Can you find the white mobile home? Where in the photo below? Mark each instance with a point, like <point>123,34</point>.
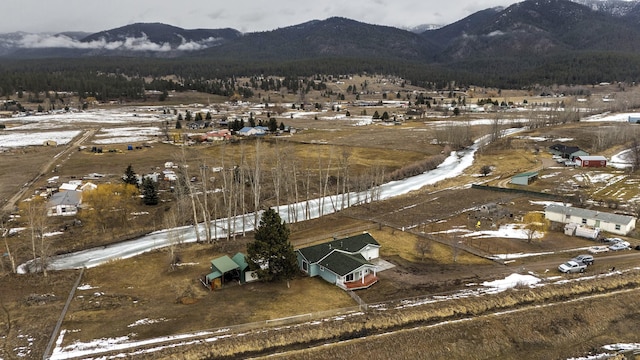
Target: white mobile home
<point>612,223</point>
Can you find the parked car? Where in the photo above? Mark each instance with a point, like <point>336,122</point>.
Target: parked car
<point>612,240</point>
<point>598,249</point>
<point>584,259</point>
<point>620,245</point>
<point>572,267</point>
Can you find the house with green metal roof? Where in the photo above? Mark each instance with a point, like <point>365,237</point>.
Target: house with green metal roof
<point>226,269</point>
<point>344,262</point>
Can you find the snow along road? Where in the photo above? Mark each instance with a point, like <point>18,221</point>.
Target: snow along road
<point>453,166</point>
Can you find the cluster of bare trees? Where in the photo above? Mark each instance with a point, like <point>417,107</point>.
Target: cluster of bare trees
<point>251,177</point>
<point>456,134</point>
<point>608,136</point>
<point>419,167</point>
<point>34,214</point>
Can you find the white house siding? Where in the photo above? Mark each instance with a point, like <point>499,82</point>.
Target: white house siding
<point>612,223</point>
<point>370,252</point>
<point>63,210</point>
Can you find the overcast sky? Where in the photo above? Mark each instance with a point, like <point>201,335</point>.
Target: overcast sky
<point>242,15</point>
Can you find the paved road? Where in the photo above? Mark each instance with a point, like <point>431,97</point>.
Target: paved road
<point>46,168</point>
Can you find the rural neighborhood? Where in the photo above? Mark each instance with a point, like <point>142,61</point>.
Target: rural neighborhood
<point>380,180</point>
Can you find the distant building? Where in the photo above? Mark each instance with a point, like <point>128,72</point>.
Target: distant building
<point>343,262</point>
<point>591,161</point>
<point>612,223</point>
<point>567,152</point>
<point>64,203</point>
<point>525,178</point>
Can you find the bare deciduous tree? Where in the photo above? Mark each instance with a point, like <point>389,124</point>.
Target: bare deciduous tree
<point>36,215</point>
<point>423,246</point>
<point>4,233</point>
<point>185,181</point>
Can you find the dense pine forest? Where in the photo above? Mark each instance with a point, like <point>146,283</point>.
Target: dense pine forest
<point>106,78</point>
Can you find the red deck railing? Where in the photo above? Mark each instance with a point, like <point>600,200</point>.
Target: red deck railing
<point>369,280</point>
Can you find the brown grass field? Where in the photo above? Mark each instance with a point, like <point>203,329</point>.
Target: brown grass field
<point>126,291</point>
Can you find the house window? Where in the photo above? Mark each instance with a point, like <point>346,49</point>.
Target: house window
<point>305,266</point>
<point>64,210</point>
<point>584,221</point>
<point>618,227</point>
<point>321,268</point>
<point>349,277</point>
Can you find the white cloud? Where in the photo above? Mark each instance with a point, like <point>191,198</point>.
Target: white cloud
<point>142,43</point>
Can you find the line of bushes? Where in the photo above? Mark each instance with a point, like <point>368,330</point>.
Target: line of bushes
<point>416,168</point>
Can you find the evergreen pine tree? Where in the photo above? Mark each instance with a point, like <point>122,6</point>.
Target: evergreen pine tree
<point>149,192</point>
<point>272,124</point>
<point>130,176</point>
<point>271,254</point>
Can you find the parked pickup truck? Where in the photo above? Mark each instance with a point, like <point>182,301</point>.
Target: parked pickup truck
<point>572,267</point>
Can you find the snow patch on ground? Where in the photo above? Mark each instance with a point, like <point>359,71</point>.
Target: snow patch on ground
<point>19,139</point>
<point>147,321</point>
<point>86,287</point>
<point>126,135</point>
<point>512,281</point>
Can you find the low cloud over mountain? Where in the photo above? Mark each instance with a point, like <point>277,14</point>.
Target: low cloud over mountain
<point>141,43</point>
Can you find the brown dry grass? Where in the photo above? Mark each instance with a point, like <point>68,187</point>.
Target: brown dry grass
<point>399,243</point>
<point>543,317</point>
<point>19,166</point>
<point>118,299</point>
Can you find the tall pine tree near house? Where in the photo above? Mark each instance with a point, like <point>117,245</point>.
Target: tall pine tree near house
<point>130,176</point>
<point>149,192</point>
<point>271,254</point>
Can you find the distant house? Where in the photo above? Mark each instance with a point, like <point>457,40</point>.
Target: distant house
<point>577,154</point>
<point>223,134</point>
<point>64,203</point>
<point>612,223</point>
<point>591,161</point>
<point>566,152</point>
<point>343,262</point>
<point>415,113</point>
<point>252,131</point>
<point>225,269</point>
<point>525,178</point>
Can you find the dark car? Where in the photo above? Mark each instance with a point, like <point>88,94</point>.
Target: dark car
<point>584,259</point>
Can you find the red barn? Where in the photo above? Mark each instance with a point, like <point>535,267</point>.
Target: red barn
<point>591,161</point>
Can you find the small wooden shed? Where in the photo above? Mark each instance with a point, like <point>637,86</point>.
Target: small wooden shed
<point>225,269</point>
<point>222,268</point>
